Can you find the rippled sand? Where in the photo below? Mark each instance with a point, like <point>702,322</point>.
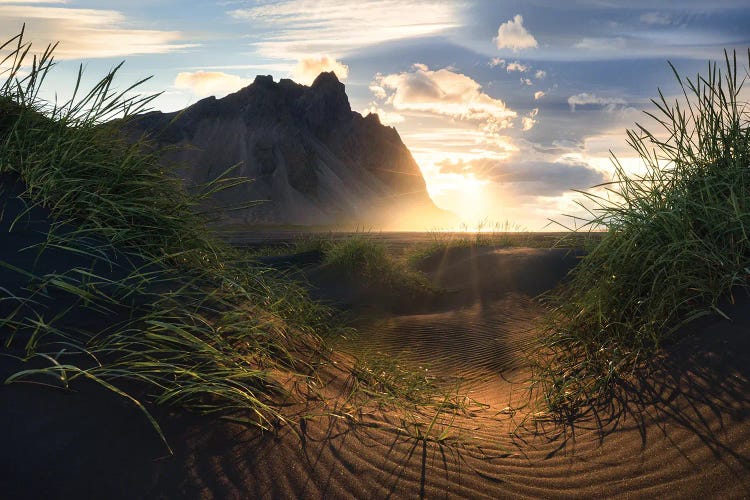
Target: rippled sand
<point>682,431</point>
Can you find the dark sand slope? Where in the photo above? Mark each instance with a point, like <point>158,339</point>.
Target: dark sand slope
<point>27,251</point>
<point>682,431</point>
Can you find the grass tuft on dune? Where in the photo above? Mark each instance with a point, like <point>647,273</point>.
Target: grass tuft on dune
<point>676,243</point>
<point>369,260</point>
<point>158,302</point>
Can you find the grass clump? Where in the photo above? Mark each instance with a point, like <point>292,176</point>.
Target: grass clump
<point>425,256</point>
<point>483,235</point>
<point>368,259</point>
<point>389,380</point>
<point>676,242</point>
<point>427,407</point>
<point>182,317</point>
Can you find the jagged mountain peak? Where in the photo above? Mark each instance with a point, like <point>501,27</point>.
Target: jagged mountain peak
<point>312,158</point>
<point>327,80</point>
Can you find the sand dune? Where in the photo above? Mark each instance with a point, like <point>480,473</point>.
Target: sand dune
<point>681,430</point>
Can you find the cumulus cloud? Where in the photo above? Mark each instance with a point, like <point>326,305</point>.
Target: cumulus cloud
<point>496,61</point>
<point>656,18</point>
<point>443,92</point>
<point>526,81</point>
<point>308,69</point>
<point>609,103</point>
<point>540,74</point>
<point>378,91</point>
<point>529,178</point>
<point>517,66</point>
<point>300,28</point>
<point>205,83</point>
<point>513,35</point>
<point>85,33</point>
<point>538,95</point>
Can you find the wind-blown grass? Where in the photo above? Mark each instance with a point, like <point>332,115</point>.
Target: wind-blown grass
<point>369,260</point>
<point>188,318</point>
<point>426,405</point>
<point>677,242</point>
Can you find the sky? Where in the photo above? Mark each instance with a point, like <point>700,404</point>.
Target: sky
<point>508,107</point>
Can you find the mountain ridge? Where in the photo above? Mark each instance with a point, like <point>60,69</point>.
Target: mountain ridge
<point>314,159</point>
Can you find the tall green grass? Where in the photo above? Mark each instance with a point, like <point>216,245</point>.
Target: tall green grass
<point>190,321</point>
<point>369,261</point>
<point>677,241</point>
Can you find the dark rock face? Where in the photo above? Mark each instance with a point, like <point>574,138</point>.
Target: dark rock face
<point>315,160</point>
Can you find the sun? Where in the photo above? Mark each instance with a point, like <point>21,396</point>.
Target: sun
<point>461,193</point>
<point>466,196</point>
<point>470,191</point>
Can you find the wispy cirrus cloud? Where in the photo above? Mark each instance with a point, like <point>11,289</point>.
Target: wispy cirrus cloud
<point>299,28</point>
<point>85,33</point>
<point>601,44</point>
<point>274,67</point>
<point>659,18</point>
<point>28,2</point>
<point>444,142</point>
<point>585,98</point>
<point>529,178</point>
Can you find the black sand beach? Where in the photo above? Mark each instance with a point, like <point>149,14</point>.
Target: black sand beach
<point>684,431</point>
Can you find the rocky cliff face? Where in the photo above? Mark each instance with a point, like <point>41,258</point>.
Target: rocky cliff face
<point>314,160</point>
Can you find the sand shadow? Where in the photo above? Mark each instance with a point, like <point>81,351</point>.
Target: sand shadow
<point>691,398</point>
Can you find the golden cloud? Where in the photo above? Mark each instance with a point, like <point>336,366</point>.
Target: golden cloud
<point>443,92</point>
<point>85,33</point>
<point>386,117</point>
<point>528,121</point>
<point>308,69</point>
<point>205,83</point>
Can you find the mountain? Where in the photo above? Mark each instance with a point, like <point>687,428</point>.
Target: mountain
<point>313,159</point>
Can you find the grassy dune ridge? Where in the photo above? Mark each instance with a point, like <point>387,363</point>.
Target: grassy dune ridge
<point>179,312</point>
<point>676,243</point>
